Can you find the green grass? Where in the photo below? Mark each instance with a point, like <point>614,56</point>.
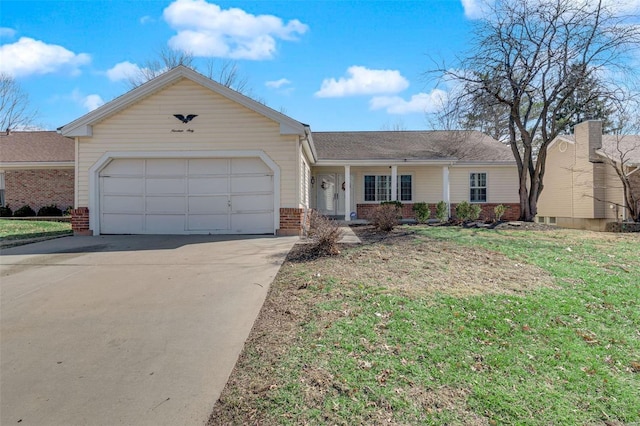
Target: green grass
<point>24,229</point>
<point>553,356</point>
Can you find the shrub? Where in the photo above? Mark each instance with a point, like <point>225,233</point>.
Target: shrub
<point>5,211</point>
<point>499,210</point>
<point>422,212</point>
<point>442,212</point>
<point>51,210</point>
<point>466,211</point>
<point>385,217</point>
<point>24,211</point>
<point>324,233</point>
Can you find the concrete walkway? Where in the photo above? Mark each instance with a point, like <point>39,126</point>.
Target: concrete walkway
<point>348,236</point>
<point>127,330</point>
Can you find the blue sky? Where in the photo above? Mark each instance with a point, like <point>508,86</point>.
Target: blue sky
<point>336,65</point>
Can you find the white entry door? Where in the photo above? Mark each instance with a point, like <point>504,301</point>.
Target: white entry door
<point>187,196</point>
<point>330,194</point>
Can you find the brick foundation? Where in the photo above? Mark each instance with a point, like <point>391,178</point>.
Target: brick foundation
<point>291,221</point>
<point>39,188</point>
<point>80,221</point>
<point>513,211</point>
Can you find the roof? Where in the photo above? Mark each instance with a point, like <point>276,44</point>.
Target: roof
<point>36,147</point>
<point>83,125</point>
<point>459,146</point>
<point>629,146</point>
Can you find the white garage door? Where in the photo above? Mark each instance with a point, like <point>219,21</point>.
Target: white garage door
<point>186,196</point>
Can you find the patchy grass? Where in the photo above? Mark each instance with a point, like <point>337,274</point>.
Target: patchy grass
<point>25,229</point>
<point>448,326</point>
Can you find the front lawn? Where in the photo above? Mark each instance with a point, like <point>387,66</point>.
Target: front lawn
<point>442,325</point>
<point>25,229</point>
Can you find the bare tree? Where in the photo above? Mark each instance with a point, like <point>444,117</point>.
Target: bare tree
<point>227,73</point>
<point>15,109</point>
<point>621,151</point>
<point>167,59</point>
<point>529,58</point>
<point>396,126</point>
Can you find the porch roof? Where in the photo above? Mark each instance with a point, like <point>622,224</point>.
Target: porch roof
<point>402,146</point>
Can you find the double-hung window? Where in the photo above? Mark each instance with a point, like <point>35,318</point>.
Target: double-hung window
<point>478,187</point>
<point>378,188</point>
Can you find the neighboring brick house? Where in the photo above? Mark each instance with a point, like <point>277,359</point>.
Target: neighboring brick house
<point>36,169</point>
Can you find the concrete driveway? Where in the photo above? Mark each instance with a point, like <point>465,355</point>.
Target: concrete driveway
<point>133,330</point>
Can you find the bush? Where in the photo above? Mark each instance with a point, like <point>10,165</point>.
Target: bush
<point>5,211</point>
<point>51,210</point>
<point>499,210</point>
<point>385,217</point>
<point>324,233</point>
<point>466,211</point>
<point>422,212</point>
<point>442,212</point>
<point>24,211</point>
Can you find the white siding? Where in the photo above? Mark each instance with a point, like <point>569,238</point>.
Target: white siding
<point>502,183</point>
<point>221,124</point>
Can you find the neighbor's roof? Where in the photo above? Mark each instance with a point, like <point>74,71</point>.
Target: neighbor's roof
<point>36,147</point>
<point>613,146</point>
<point>460,146</point>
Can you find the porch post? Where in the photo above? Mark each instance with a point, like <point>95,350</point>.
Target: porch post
<point>445,188</point>
<point>394,183</point>
<point>347,193</point>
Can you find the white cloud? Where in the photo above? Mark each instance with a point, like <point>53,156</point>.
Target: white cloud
<point>7,32</point>
<point>276,84</point>
<point>422,102</point>
<point>146,19</point>
<point>28,56</point>
<point>363,81</point>
<point>473,9</point>
<point>205,29</point>
<point>92,102</point>
<point>123,71</point>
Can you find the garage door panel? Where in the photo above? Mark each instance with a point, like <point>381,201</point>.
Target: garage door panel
<point>209,205</point>
<point>259,223</point>
<point>122,224</point>
<point>122,204</point>
<point>251,203</point>
<point>174,196</point>
<point>156,186</point>
<point>123,185</point>
<point>124,167</point>
<point>165,204</point>
<point>213,222</point>
<point>248,165</point>
<point>166,167</point>
<point>165,224</point>
<point>209,185</point>
<point>244,184</point>
<point>209,166</point>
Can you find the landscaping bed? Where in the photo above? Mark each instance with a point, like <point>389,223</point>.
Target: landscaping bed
<point>444,325</point>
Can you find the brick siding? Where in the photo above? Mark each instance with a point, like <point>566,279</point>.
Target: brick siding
<point>39,188</point>
<point>291,221</point>
<point>80,221</point>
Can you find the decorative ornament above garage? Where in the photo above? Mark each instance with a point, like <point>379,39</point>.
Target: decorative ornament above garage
<point>184,119</point>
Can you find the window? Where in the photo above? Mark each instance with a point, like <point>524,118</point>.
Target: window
<point>478,187</point>
<point>378,188</point>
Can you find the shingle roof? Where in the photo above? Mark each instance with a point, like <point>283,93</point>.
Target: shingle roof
<point>464,146</point>
<point>36,147</point>
<point>628,144</point>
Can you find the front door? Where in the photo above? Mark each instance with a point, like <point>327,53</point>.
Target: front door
<point>330,194</point>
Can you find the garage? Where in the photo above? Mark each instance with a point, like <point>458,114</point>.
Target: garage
<point>186,196</point>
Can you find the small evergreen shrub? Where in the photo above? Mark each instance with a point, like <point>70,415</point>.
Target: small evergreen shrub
<point>499,210</point>
<point>324,233</point>
<point>24,211</point>
<point>385,217</point>
<point>466,211</point>
<point>422,212</point>
<point>442,212</point>
<point>5,211</point>
<point>51,210</point>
